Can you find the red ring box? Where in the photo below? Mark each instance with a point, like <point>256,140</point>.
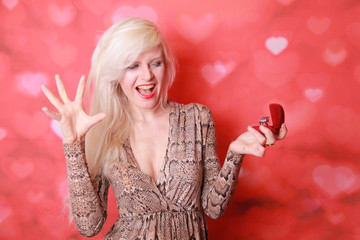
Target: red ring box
<point>277,118</point>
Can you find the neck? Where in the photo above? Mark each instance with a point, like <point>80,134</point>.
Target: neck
<point>149,115</point>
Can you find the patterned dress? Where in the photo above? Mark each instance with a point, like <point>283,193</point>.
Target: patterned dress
<point>190,184</point>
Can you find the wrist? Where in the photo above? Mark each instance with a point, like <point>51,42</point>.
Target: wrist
<point>233,148</point>
<point>68,141</point>
<point>237,148</point>
<point>73,140</point>
<point>234,157</point>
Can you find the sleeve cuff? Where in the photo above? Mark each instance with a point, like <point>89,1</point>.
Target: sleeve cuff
<point>234,157</point>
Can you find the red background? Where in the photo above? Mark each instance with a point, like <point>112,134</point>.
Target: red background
<point>236,56</point>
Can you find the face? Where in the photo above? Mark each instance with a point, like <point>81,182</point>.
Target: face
<point>143,80</point>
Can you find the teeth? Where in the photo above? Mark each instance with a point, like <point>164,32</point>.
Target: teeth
<point>146,87</point>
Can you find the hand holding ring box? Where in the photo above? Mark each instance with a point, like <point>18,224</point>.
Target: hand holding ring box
<point>277,118</point>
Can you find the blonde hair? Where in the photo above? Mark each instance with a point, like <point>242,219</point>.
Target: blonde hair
<point>116,50</point>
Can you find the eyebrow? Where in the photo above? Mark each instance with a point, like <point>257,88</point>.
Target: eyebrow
<point>153,59</point>
<point>156,58</point>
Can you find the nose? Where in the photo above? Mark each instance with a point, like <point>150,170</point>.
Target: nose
<point>146,73</point>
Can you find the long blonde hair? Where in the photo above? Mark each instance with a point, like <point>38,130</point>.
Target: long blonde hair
<point>116,50</point>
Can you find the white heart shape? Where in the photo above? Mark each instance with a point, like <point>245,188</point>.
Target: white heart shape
<point>217,72</point>
<point>56,128</point>
<point>3,133</point>
<point>313,94</point>
<point>5,210</point>
<point>128,11</point>
<point>10,4</point>
<point>30,83</point>
<point>276,44</point>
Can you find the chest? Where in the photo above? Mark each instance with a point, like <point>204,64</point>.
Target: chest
<point>149,144</point>
<point>177,169</point>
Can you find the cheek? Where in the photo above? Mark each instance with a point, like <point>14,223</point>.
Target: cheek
<point>160,74</point>
<point>127,81</point>
<point>125,89</point>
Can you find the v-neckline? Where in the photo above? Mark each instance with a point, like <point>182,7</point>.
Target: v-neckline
<point>135,162</point>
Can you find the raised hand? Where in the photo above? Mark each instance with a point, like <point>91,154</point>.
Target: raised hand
<point>75,123</point>
<point>254,143</point>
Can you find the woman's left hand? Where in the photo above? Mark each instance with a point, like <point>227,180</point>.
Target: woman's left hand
<point>254,143</point>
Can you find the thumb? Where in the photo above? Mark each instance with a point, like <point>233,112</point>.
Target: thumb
<point>96,119</point>
<point>283,132</point>
<point>257,150</point>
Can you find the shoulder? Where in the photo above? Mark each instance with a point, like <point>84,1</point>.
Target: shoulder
<point>197,110</point>
<point>201,107</point>
<point>192,107</point>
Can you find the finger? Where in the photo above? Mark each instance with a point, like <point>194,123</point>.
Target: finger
<point>283,132</point>
<point>51,114</point>
<point>57,104</point>
<point>259,137</point>
<point>258,150</point>
<point>80,90</point>
<point>61,89</point>
<point>96,119</point>
<point>270,138</point>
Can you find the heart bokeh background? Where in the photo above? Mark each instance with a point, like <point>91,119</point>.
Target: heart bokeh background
<point>235,56</point>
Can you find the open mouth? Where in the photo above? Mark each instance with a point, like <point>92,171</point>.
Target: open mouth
<point>146,91</point>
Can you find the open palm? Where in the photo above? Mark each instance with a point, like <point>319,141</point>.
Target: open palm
<point>253,142</point>
<point>75,123</point>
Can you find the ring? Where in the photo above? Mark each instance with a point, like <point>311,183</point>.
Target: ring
<point>269,145</point>
<point>264,120</point>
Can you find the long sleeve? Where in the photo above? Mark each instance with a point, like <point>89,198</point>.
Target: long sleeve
<point>88,197</point>
<point>218,184</point>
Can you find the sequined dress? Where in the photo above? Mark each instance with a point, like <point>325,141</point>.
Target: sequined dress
<point>190,184</point>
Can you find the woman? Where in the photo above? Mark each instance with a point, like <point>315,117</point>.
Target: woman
<point>159,156</point>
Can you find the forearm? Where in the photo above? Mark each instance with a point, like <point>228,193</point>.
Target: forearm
<point>220,193</point>
<point>89,214</point>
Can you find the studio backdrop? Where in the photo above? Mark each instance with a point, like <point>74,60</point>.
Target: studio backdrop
<point>236,57</point>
